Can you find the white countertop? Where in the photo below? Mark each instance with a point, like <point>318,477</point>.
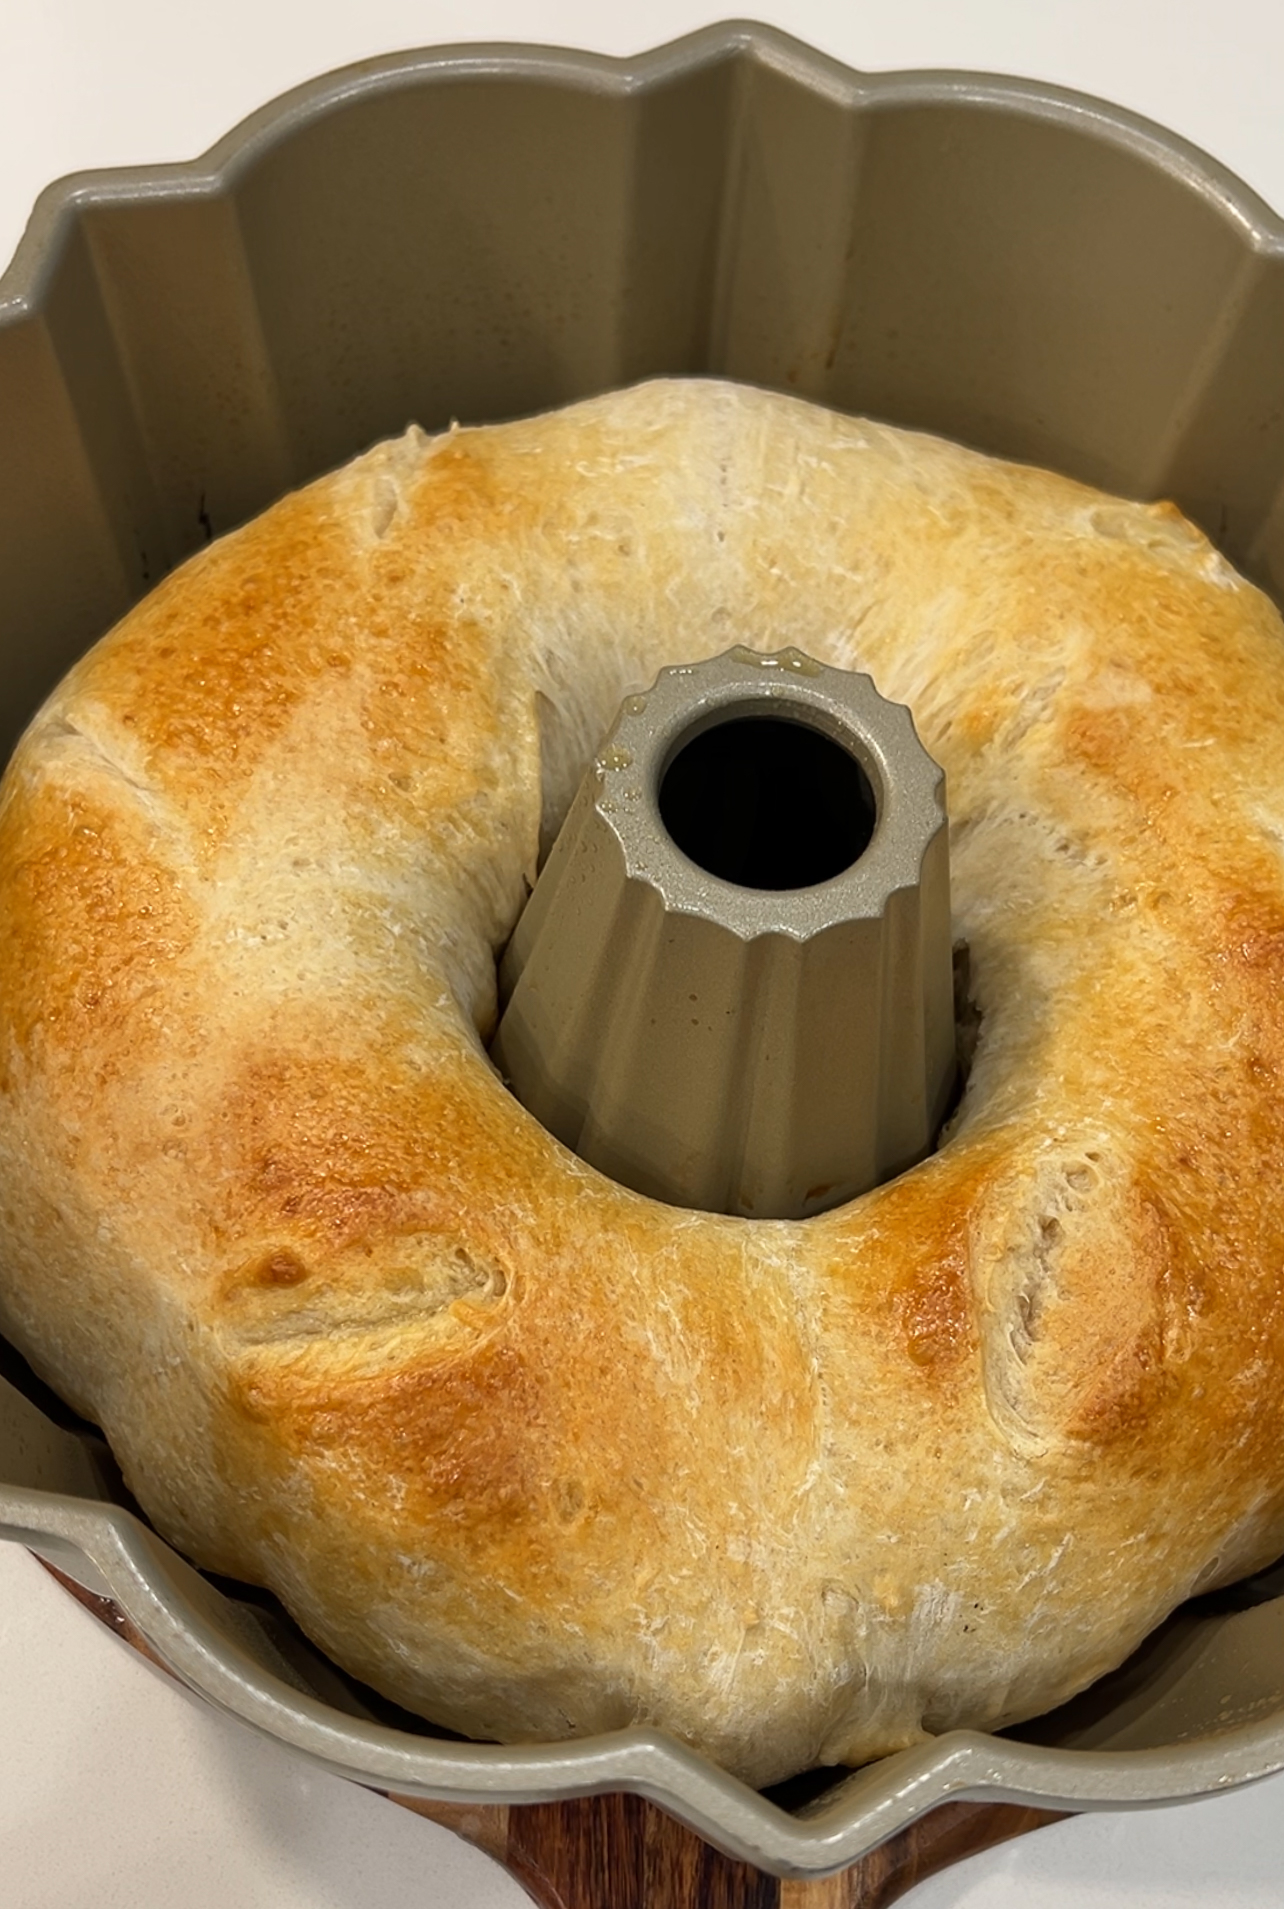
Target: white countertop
<point>115,1788</point>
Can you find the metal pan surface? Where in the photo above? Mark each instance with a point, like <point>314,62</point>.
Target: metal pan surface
<point>1028,270</point>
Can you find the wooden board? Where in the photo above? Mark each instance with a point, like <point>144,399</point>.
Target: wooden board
<point>621,1852</point>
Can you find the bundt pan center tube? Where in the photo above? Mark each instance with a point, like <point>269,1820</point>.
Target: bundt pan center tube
<point>732,988</point>
<point>179,347</point>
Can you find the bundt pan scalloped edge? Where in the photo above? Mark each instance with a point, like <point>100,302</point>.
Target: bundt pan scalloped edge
<point>1030,271</point>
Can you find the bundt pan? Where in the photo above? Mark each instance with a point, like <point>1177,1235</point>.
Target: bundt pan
<point>482,232</point>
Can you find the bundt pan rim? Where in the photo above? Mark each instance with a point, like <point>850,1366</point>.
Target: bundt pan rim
<point>217,169</point>
<point>105,1547</point>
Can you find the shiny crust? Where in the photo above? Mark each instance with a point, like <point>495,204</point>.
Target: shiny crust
<point>527,1451</point>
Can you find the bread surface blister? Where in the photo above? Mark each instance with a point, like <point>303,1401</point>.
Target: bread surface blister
<point>531,1453</point>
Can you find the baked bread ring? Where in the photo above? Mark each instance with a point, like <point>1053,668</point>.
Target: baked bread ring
<point>531,1453</point>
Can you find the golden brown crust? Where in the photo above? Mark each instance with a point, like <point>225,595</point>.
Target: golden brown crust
<point>533,1453</point>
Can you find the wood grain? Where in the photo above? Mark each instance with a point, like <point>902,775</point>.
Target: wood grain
<point>621,1852</point>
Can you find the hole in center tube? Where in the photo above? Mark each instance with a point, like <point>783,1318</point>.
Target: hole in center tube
<point>768,802</point>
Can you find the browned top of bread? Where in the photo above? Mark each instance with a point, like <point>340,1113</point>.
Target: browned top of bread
<point>532,1453</point>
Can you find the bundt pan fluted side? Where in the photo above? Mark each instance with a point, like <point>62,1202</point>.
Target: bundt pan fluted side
<point>482,232</point>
